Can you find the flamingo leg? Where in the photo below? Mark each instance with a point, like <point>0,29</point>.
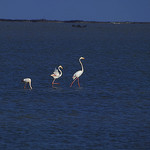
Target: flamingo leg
<point>54,83</point>
<point>73,82</point>
<point>24,85</point>
<point>78,82</point>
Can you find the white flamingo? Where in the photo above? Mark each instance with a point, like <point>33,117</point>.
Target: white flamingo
<point>27,80</point>
<point>56,74</point>
<point>78,73</point>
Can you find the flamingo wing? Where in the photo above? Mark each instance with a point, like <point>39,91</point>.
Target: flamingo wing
<point>77,74</point>
<point>56,73</point>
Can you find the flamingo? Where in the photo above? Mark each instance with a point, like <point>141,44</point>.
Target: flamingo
<point>27,80</point>
<point>56,74</point>
<point>78,73</point>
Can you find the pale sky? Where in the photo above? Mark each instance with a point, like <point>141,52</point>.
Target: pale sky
<point>87,10</point>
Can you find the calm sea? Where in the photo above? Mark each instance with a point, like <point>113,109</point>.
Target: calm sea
<point>111,109</point>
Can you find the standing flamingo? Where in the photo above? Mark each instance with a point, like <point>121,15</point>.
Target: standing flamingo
<point>56,74</point>
<point>27,80</point>
<point>78,73</point>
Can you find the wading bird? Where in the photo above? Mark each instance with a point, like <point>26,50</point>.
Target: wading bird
<point>27,80</point>
<point>78,73</point>
<point>56,74</point>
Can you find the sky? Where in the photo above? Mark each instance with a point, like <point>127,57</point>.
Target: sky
<point>87,10</point>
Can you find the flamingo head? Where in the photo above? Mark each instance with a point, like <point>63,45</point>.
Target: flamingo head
<point>60,67</point>
<point>82,58</point>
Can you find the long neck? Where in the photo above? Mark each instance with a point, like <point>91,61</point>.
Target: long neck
<point>81,65</point>
<point>30,85</point>
<point>60,71</point>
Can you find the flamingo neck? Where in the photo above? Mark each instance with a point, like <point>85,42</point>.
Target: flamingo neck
<point>81,65</point>
<point>30,85</point>
<point>60,71</point>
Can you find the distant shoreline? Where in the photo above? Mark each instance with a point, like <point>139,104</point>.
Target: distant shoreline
<point>71,21</point>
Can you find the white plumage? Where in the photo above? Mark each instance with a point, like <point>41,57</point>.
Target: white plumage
<point>57,74</point>
<point>78,73</point>
<point>27,81</point>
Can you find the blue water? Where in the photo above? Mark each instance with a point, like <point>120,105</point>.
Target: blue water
<point>111,109</point>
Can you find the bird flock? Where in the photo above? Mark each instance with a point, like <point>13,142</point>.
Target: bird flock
<point>57,74</point>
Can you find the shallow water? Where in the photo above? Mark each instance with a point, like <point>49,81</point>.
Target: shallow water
<point>109,111</point>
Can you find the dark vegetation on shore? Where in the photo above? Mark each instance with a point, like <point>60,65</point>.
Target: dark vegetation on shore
<point>72,21</point>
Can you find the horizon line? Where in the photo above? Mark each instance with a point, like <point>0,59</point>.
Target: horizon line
<point>71,21</point>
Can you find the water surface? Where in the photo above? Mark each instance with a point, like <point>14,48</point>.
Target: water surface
<point>109,111</point>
